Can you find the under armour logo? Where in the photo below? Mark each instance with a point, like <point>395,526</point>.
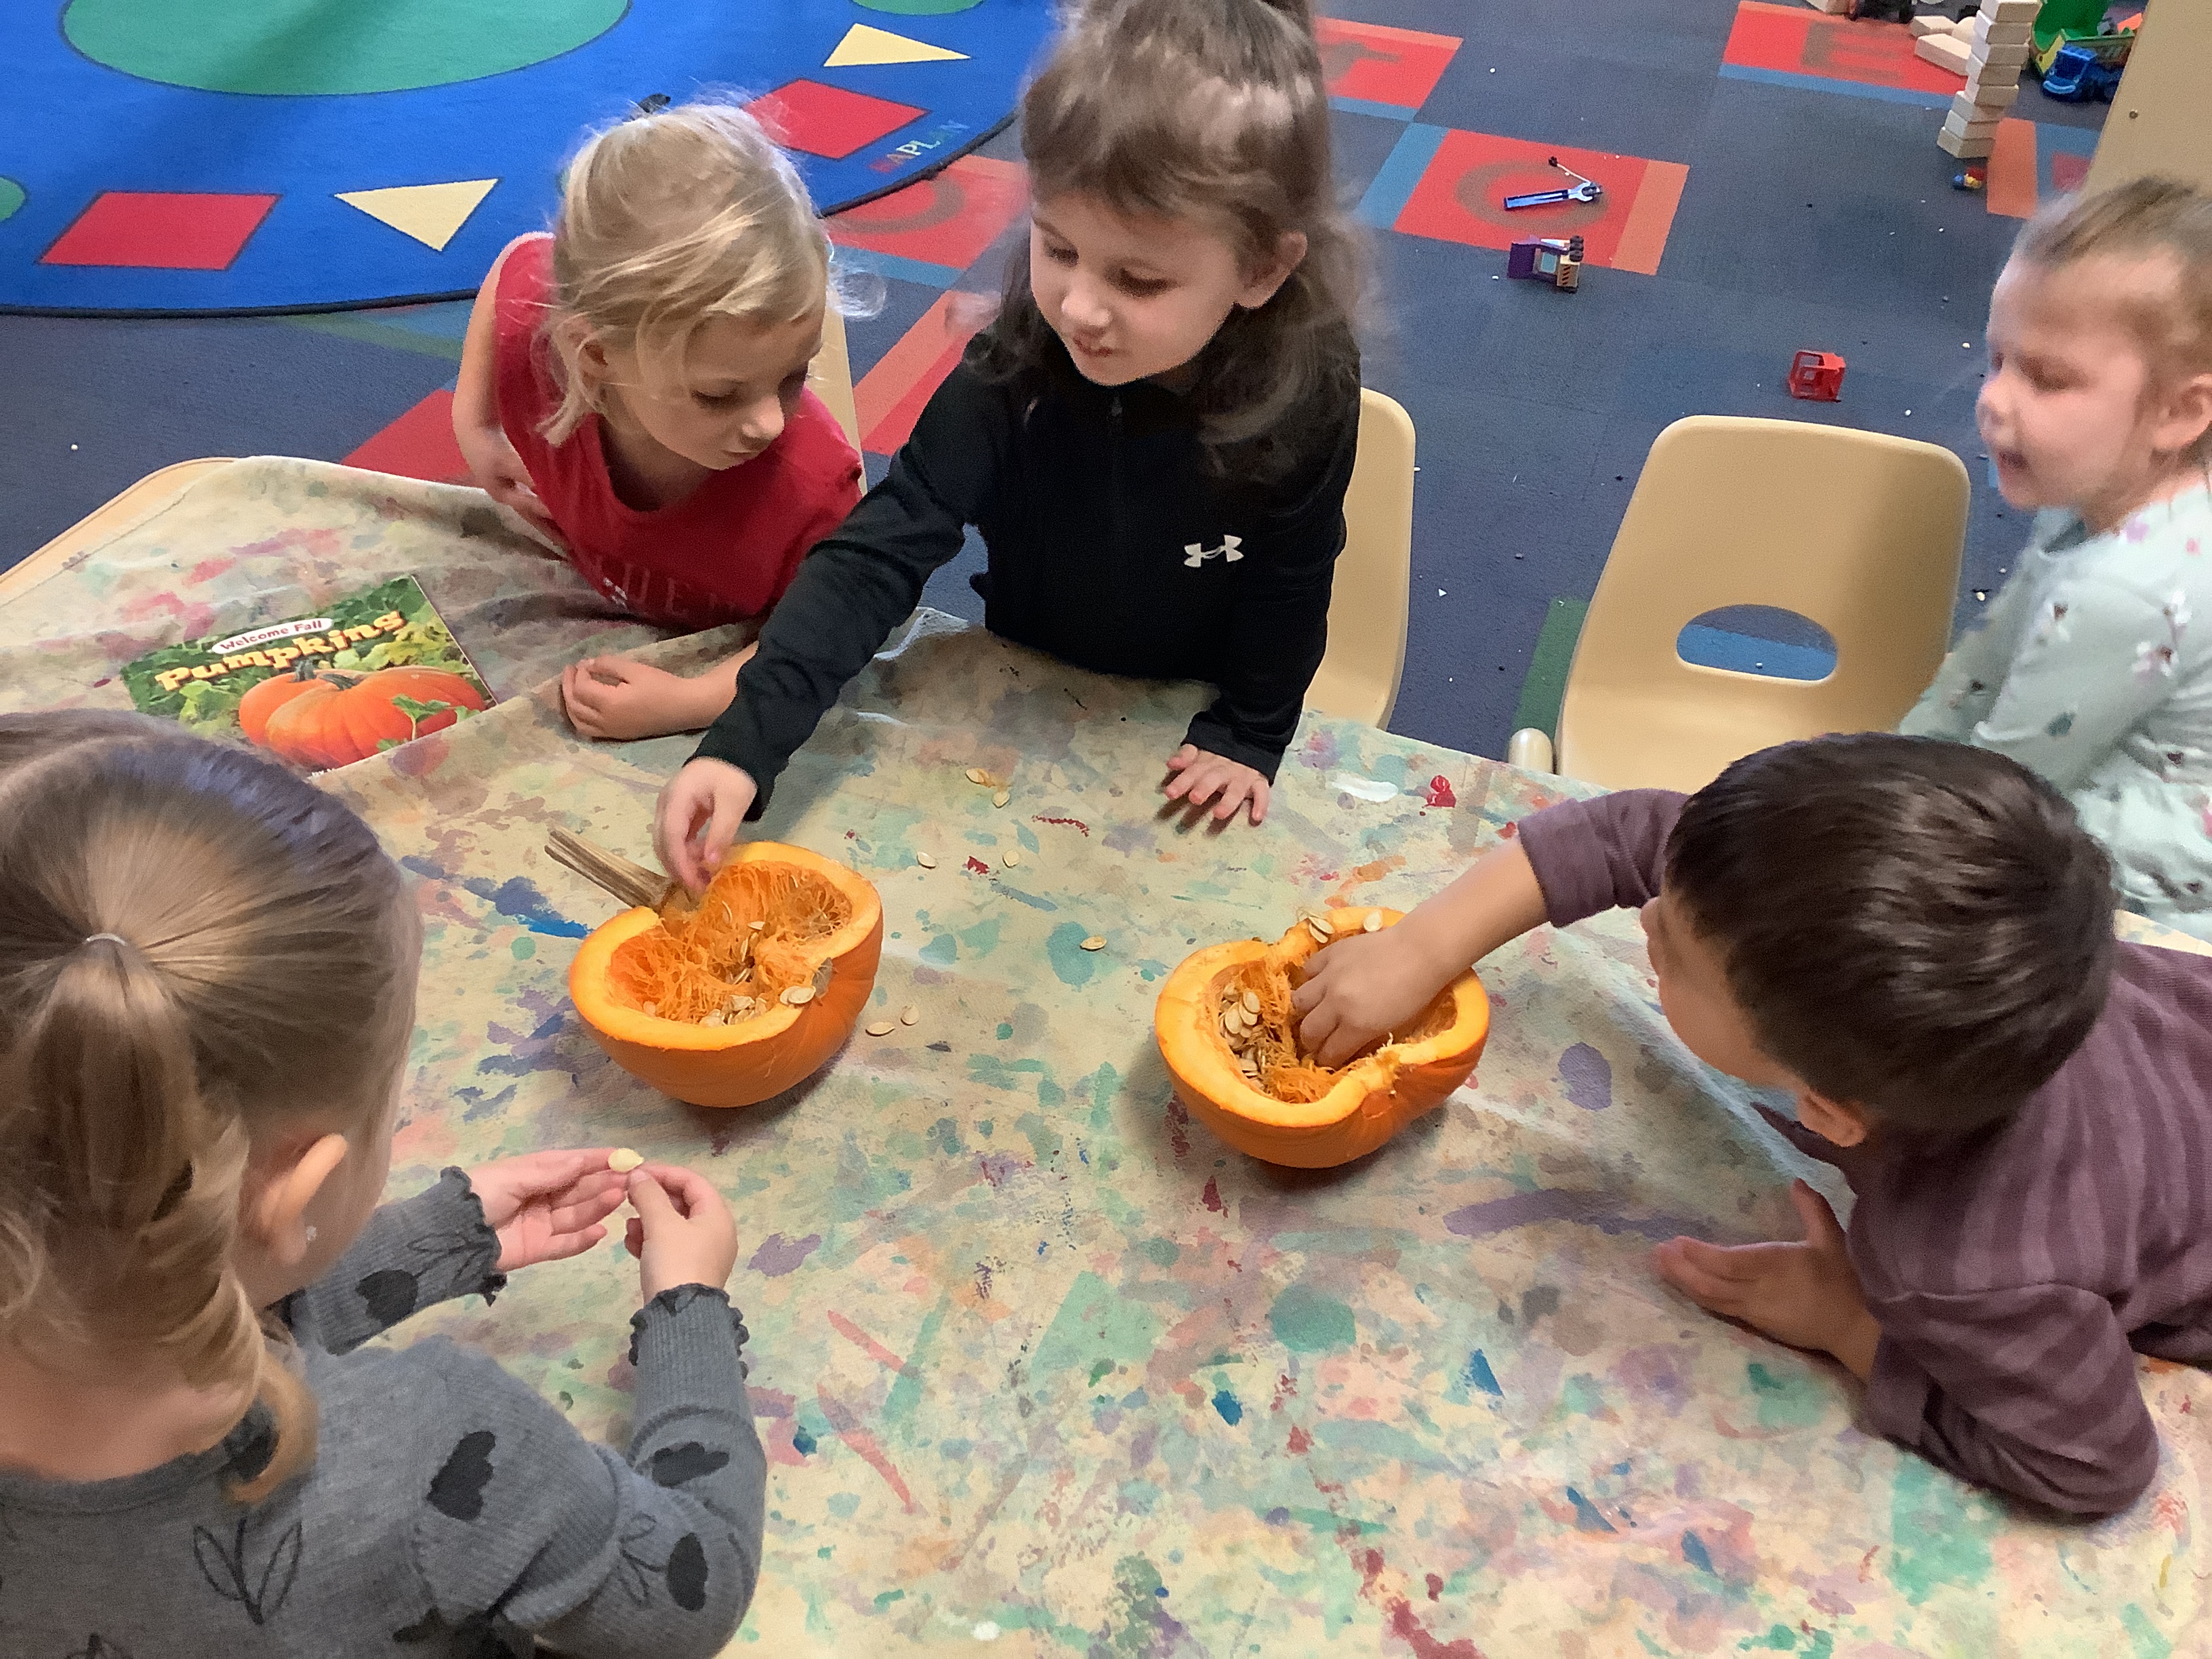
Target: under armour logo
<point>1194,556</point>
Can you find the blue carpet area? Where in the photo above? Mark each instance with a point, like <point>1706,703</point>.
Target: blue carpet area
<point>1809,218</point>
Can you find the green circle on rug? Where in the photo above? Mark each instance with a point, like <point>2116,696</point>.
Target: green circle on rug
<point>918,8</point>
<point>11,196</point>
<point>310,48</point>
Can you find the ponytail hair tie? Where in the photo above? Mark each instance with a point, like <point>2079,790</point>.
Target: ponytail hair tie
<point>118,938</point>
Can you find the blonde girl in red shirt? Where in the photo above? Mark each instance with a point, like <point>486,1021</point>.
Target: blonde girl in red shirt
<point>635,384</point>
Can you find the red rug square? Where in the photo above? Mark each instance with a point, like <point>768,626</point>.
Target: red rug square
<point>1799,42</point>
<point>160,230</point>
<point>948,220</point>
<point>1383,65</point>
<point>826,121</point>
<point>890,396</point>
<point>418,445</point>
<point>1458,199</point>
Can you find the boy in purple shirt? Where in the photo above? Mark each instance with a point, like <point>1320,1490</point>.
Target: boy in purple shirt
<point>1913,939</point>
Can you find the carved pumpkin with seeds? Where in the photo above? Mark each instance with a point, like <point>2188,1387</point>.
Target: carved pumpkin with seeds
<point>737,998</point>
<point>1227,1032</point>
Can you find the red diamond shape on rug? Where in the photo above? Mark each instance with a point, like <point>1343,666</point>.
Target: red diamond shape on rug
<point>1383,65</point>
<point>1460,199</point>
<point>948,220</point>
<point>826,121</point>
<point>160,230</point>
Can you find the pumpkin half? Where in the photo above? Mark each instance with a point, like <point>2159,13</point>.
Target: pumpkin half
<point>1277,1104</point>
<point>736,998</point>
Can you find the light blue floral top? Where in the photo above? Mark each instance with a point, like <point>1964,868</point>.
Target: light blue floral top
<point>2094,668</point>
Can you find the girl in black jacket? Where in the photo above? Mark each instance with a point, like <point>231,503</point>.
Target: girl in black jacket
<point>1154,437</point>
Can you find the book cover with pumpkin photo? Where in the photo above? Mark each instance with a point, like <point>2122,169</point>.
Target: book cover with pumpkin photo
<point>364,673</point>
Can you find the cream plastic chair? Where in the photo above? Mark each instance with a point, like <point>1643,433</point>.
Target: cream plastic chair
<point>1358,679</point>
<point>1860,532</point>
<point>830,376</point>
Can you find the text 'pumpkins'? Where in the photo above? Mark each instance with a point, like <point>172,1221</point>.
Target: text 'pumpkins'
<point>734,1000</point>
<point>1271,1101</point>
<point>319,718</point>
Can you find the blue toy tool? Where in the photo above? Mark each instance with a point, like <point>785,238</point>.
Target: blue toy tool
<point>1582,190</point>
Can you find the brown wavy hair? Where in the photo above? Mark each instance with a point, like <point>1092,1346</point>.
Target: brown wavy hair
<point>1213,111</point>
<point>265,972</point>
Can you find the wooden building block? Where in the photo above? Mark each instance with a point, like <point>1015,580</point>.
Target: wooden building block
<point>2003,56</point>
<point>2011,11</point>
<point>1931,24</point>
<point>1943,51</point>
<point>1987,33</point>
<point>1966,150</point>
<point>1959,127</point>
<point>1980,72</point>
<point>1968,108</point>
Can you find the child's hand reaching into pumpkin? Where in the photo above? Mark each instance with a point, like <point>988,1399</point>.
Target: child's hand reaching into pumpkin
<point>700,812</point>
<point>1363,988</point>
<point>546,1206</point>
<point>1197,777</point>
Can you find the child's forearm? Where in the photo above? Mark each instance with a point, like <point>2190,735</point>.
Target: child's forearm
<point>1496,901</point>
<point>715,689</point>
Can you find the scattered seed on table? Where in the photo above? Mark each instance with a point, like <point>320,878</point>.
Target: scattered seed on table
<point>977,775</point>
<point>909,1015</point>
<point>1374,922</point>
<point>926,860</point>
<point>796,996</point>
<point>1095,942</point>
<point>1011,858</point>
<point>1002,797</point>
<point>623,1159</point>
<point>881,1028</point>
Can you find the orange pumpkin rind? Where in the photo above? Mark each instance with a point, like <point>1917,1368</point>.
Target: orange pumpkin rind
<point>1373,1096</point>
<point>752,1060</point>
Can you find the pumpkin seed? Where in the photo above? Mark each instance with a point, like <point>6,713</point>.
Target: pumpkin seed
<point>1095,942</point>
<point>909,1015</point>
<point>652,1010</point>
<point>623,1159</point>
<point>1319,932</point>
<point>1373,924</point>
<point>1320,925</point>
<point>977,775</point>
<point>797,996</point>
<point>881,1028</point>
<point>1011,858</point>
<point>757,926</point>
<point>926,860</point>
<point>1002,797</point>
<point>1251,1002</point>
<point>716,1018</point>
<point>822,975</point>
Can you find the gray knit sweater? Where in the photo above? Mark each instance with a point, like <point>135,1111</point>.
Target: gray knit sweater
<point>450,1510</point>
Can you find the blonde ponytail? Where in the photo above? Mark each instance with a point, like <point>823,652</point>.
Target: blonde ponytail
<point>188,936</point>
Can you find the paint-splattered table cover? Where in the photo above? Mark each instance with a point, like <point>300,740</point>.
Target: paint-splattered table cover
<point>1043,1368</point>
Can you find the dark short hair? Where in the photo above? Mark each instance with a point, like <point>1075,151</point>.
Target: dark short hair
<point>1917,927</point>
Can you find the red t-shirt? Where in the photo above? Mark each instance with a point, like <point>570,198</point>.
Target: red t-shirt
<point>726,552</point>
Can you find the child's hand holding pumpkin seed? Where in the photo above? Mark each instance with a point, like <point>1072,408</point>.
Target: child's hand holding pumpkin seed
<point>682,1232</point>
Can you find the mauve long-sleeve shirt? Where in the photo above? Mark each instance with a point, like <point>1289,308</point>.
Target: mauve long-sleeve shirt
<point>2017,1275</point>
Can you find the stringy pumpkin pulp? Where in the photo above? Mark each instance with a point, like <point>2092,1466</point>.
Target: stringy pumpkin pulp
<point>737,951</point>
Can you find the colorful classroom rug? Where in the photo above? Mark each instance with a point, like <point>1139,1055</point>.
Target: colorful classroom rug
<point>184,157</point>
<point>1042,1368</point>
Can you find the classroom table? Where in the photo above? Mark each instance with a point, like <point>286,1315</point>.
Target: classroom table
<point>1042,1367</point>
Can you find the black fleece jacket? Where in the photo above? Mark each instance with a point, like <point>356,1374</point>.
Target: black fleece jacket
<point>1110,547</point>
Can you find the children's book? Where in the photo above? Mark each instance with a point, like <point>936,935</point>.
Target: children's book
<point>363,674</point>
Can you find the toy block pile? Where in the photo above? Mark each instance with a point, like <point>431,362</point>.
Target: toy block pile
<point>1990,49</point>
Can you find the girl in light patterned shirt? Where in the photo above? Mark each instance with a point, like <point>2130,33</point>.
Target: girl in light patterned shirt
<point>2094,664</point>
